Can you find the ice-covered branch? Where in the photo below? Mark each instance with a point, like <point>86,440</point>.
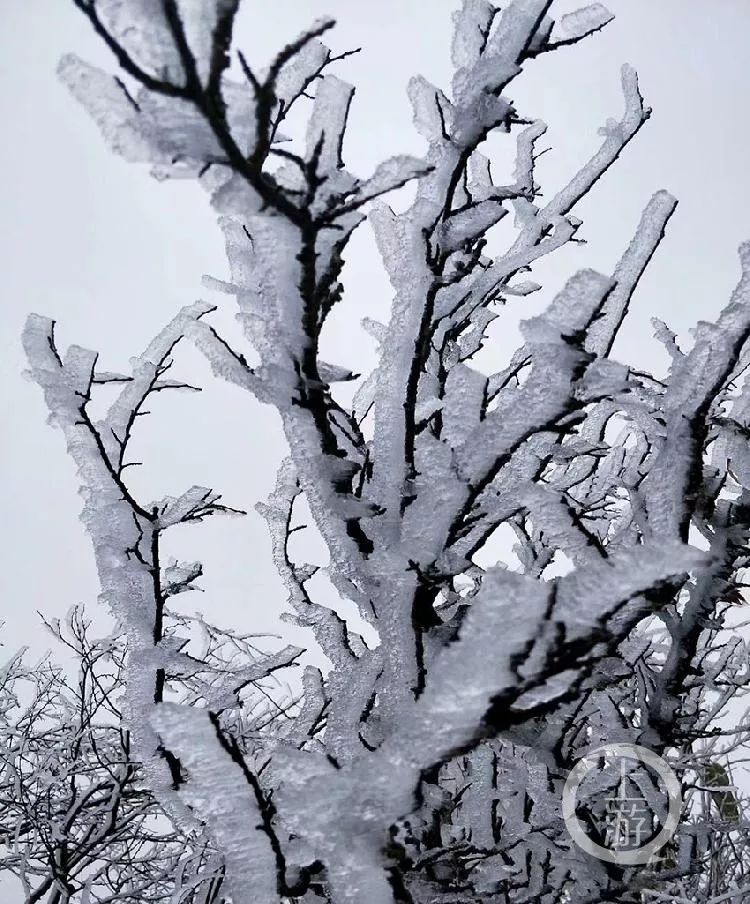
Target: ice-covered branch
<point>227,797</point>
<point>673,484</point>
<point>125,532</point>
<point>629,271</point>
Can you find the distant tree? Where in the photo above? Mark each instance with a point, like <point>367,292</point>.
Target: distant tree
<point>78,819</point>
<point>427,767</point>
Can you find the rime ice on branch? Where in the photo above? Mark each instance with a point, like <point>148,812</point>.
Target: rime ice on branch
<point>427,767</point>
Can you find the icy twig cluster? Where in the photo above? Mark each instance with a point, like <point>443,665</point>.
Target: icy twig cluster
<point>426,767</point>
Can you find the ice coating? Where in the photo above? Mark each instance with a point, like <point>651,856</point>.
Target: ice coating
<point>486,682</point>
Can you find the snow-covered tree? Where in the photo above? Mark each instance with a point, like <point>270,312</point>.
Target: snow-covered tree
<point>427,766</point>
<point>75,812</point>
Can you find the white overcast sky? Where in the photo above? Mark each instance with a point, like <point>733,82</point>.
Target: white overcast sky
<point>111,254</point>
